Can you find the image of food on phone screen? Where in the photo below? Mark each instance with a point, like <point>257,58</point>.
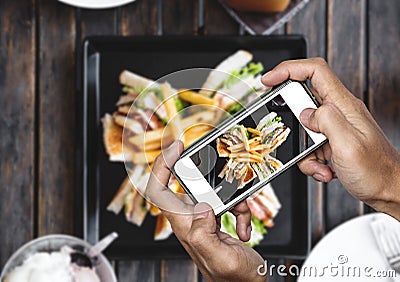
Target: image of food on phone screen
<point>252,150</point>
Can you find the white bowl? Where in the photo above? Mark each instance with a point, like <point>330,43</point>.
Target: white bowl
<point>96,4</point>
<point>53,243</point>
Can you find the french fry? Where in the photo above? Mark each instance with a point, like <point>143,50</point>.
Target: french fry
<point>245,140</point>
<point>195,98</point>
<point>263,148</point>
<point>165,133</point>
<point>247,156</point>
<point>169,103</point>
<point>152,146</point>
<point>145,157</point>
<point>255,139</point>
<point>254,131</point>
<point>193,137</point>
<point>148,137</point>
<point>200,128</point>
<point>154,210</point>
<point>248,160</point>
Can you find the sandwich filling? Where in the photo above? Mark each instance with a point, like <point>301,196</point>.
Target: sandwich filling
<point>249,150</point>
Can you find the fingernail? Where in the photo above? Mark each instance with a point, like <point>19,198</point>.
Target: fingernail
<point>249,231</point>
<point>305,115</point>
<point>319,177</point>
<point>266,74</point>
<point>200,211</point>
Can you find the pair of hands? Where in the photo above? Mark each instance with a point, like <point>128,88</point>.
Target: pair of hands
<point>358,154</point>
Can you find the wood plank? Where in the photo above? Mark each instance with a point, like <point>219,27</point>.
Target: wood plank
<point>139,270</point>
<point>178,270</point>
<point>17,124</point>
<point>140,18</point>
<point>91,25</point>
<point>217,21</point>
<point>384,68</point>
<point>87,24</point>
<point>346,28</point>
<point>180,17</point>
<point>57,117</point>
<point>311,22</point>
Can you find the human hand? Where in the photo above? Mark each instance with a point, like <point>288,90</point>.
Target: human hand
<point>219,256</point>
<point>358,152</point>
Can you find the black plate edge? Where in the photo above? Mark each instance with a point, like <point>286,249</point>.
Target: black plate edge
<point>89,48</point>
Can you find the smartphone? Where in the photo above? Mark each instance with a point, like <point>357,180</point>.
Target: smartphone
<point>249,149</point>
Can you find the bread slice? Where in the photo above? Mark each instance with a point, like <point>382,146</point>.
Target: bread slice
<point>112,137</point>
<point>117,203</point>
<point>134,80</point>
<point>216,77</point>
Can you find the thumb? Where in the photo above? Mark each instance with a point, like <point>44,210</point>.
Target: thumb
<point>202,234</point>
<point>330,121</point>
<point>307,118</point>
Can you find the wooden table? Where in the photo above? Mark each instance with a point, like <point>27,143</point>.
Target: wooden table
<point>40,66</point>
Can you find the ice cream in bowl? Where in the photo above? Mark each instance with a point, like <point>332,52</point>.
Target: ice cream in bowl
<point>60,258</point>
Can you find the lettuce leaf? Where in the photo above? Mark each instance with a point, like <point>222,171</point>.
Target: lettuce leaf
<point>251,70</point>
<point>228,225</point>
<point>233,109</point>
<point>180,104</point>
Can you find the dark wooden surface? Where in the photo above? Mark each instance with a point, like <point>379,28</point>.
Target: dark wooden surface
<point>40,55</point>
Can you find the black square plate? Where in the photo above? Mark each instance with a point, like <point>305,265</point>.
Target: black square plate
<point>154,57</point>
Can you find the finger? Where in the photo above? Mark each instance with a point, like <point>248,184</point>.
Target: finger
<point>316,69</point>
<point>157,190</point>
<point>243,221</point>
<point>313,167</point>
<point>331,122</point>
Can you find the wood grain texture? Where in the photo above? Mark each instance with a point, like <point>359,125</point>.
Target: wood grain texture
<point>57,117</point>
<point>139,270</point>
<point>179,17</point>
<point>17,122</point>
<point>384,68</point>
<point>346,29</point>
<point>178,270</point>
<point>140,18</point>
<point>91,25</point>
<point>310,22</point>
<point>217,21</point>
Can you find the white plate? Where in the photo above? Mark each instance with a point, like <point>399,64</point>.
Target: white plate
<point>350,247</point>
<point>96,4</point>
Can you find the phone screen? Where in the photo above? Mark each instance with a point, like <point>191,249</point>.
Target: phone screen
<point>253,149</point>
